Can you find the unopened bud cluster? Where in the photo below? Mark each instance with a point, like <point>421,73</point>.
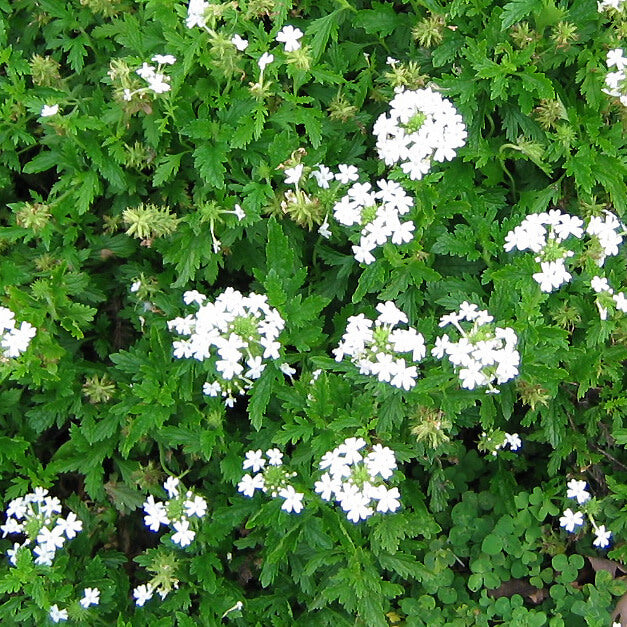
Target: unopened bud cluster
<point>236,334</point>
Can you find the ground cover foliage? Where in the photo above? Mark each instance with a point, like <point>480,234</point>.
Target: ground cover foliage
<point>345,463</point>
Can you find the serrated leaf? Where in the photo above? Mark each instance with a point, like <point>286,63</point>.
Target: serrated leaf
<point>260,397</point>
<point>168,166</point>
<point>209,159</point>
<point>514,11</point>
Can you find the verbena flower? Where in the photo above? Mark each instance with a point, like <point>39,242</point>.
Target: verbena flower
<point>355,479</point>
<point>37,516</point>
<point>570,520</point>
<point>236,335</point>
<point>377,214</point>
<point>158,82</point>
<point>484,353</point>
<point>607,233</point>
<point>14,340</point>
<point>495,440</point>
<point>270,475</point>
<point>616,81</point>
<point>375,347</point>
<point>91,596</point>
<point>421,127</point>
<point>602,537</point>
<point>57,615</point>
<point>290,36</point>
<point>577,490</point>
<point>545,234</point>
<point>49,110</point>
<point>178,512</point>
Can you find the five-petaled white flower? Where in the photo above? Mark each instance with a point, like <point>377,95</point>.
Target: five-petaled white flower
<point>571,519</point>
<point>290,36</point>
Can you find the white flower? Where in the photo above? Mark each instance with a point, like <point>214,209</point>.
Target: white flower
<point>46,112</point>
<point>249,484</point>
<point>183,535</point>
<point>196,507</point>
<point>171,487</point>
<point>324,229</point>
<point>577,490</point>
<point>350,449</point>
<point>293,175</point>
<point>264,60</point>
<point>275,457</point>
<point>290,36</point>
<point>240,43</point>
<point>239,212</point>
<point>602,539</point>
<point>389,313</point>
<point>323,176</point>
<point>388,499</point>
<point>347,173</point>
<point>70,525</point>
<point>142,594</point>
<point>571,519</point>
<point>164,59</point>
<point>513,440</point>
<point>156,514</point>
<point>91,596</point>
<point>56,614</point>
<point>254,460</point>
<point>196,16</point>
<point>327,486</point>
<point>293,500</point>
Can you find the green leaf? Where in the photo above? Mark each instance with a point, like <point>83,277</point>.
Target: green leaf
<point>381,20</point>
<point>514,11</point>
<point>167,167</point>
<point>260,397</point>
<point>320,30</point>
<point>209,159</point>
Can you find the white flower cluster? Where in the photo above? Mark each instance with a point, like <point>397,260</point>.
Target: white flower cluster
<point>15,340</point>
<point>497,440</point>
<point>38,516</point>
<point>356,479</point>
<point>571,520</point>
<point>91,596</point>
<point>483,354</point>
<point>237,332</point>
<point>420,128</point>
<point>269,475</point>
<point>604,5</point>
<point>544,233</point>
<point>177,512</point>
<point>377,214</point>
<point>606,297</point>
<point>196,13</point>
<point>374,347</point>
<point>607,232</point>
<point>157,81</point>
<point>616,82</point>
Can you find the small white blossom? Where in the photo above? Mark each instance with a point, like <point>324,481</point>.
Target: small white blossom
<point>602,539</point>
<point>240,43</point>
<point>91,596</point>
<point>264,60</point>
<point>57,615</point>
<point>577,490</point>
<point>142,594</point>
<point>570,520</point>
<point>46,112</point>
<point>290,37</point>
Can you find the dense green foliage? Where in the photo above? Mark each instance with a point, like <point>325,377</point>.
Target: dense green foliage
<point>134,189</point>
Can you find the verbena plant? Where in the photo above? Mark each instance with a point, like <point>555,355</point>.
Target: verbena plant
<point>313,312</point>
